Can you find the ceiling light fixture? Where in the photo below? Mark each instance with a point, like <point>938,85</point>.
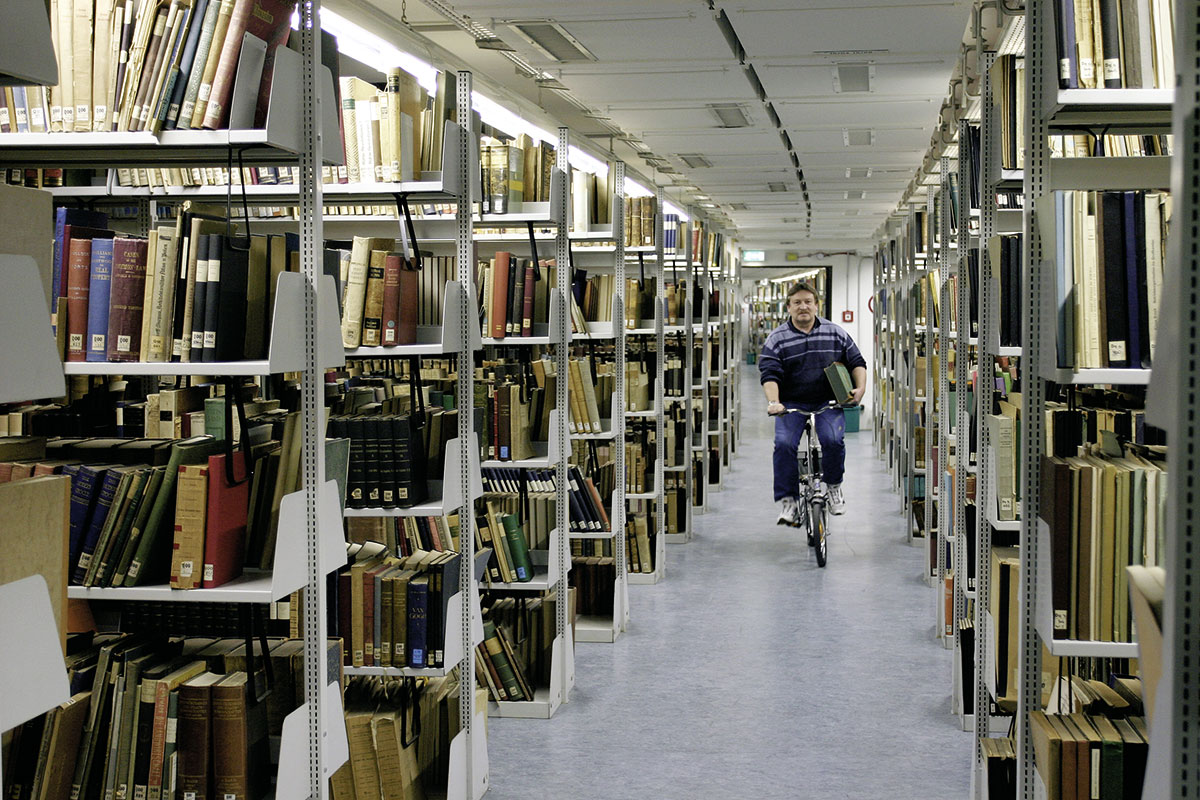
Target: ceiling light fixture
<point>552,40</point>
<point>549,82</point>
<point>695,160</point>
<point>777,186</point>
<point>494,43</point>
<point>730,115</point>
<point>858,172</point>
<point>858,137</point>
<point>853,77</point>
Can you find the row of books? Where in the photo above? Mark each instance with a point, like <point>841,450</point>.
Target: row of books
<point>392,611</point>
<point>639,381</point>
<point>639,221</point>
<point>1114,44</point>
<point>587,509</point>
<point>529,656</point>
<point>190,292</point>
<point>1089,755</point>
<point>1009,96</point>
<point>675,494</point>
<point>405,536</point>
<point>394,456</point>
<point>399,733</point>
<point>514,173</point>
<point>1004,260</point>
<point>387,134</point>
<point>512,414</point>
<point>513,295</point>
<point>503,533</point>
<point>593,578</point>
<point>159,717</point>
<point>640,536</point>
<point>1108,275</point>
<point>386,293</point>
<point>1104,512</point>
<point>125,66</point>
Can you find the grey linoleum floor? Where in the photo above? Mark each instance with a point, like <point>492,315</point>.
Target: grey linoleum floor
<point>751,673</point>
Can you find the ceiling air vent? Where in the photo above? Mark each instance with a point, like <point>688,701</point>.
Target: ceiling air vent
<point>854,194</point>
<point>730,115</point>
<point>553,41</point>
<point>853,77</point>
<point>852,213</point>
<point>858,137</point>
<point>738,207</point>
<point>858,172</point>
<point>777,186</point>
<point>695,160</point>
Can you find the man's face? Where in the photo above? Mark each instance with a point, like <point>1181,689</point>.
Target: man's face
<point>802,306</point>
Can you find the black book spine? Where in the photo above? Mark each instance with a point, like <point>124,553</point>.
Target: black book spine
<point>387,463</point>
<point>1112,264</point>
<point>212,296</point>
<point>371,453</point>
<point>1110,42</point>
<point>231,309</point>
<point>356,497</point>
<point>200,294</point>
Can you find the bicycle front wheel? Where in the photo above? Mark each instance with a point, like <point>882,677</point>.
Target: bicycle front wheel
<point>818,531</point>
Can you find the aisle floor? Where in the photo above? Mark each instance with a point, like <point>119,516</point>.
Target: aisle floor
<point>751,673</point>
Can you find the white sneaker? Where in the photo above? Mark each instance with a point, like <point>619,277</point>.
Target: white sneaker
<point>788,513</point>
<point>837,503</point>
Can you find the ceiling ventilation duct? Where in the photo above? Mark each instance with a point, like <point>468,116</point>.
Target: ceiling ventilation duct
<point>730,115</point>
<point>858,137</point>
<point>695,160</point>
<point>858,172</point>
<point>777,187</point>
<point>853,77</point>
<point>553,41</point>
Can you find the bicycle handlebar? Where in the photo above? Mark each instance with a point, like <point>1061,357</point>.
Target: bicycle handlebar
<point>818,412</point>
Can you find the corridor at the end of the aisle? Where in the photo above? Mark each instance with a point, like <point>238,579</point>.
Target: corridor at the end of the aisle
<point>750,672</point>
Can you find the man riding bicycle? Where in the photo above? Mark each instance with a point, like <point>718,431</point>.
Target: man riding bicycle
<point>792,373</point>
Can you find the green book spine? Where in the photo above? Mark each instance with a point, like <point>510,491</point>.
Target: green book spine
<point>518,548</point>
<point>495,651</point>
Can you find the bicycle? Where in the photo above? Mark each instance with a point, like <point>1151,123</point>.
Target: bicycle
<point>814,494</point>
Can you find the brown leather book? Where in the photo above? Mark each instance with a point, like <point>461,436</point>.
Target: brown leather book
<point>392,266</point>
<point>500,294</point>
<point>239,736</point>
<point>406,323</point>
<point>195,735</point>
<point>79,261</point>
<point>527,310</point>
<point>126,299</point>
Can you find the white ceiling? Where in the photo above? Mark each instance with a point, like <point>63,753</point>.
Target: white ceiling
<point>660,62</point>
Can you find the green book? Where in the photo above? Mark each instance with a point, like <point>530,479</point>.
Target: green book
<point>154,547</point>
<point>839,380</point>
<point>139,525</point>
<point>518,548</point>
<point>495,652</point>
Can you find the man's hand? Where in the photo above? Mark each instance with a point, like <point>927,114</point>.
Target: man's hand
<point>856,395</point>
<point>775,409</point>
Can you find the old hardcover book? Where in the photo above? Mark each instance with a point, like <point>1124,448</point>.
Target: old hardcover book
<point>232,287</point>
<point>195,735</point>
<point>225,520</point>
<point>152,559</point>
<point>239,729</point>
<point>126,299</point>
<point>839,381</point>
<point>204,91</point>
<point>79,262</point>
<point>191,507</point>
<point>355,290</point>
<point>373,304</point>
<point>518,548</point>
<point>99,283</point>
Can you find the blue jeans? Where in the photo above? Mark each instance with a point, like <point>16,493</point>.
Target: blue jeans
<point>831,430</point>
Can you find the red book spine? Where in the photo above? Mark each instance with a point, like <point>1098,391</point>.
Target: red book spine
<point>225,522</point>
<point>79,262</point>
<point>392,266</point>
<point>126,296</point>
<point>527,311</point>
<point>500,295</point>
<point>410,290</point>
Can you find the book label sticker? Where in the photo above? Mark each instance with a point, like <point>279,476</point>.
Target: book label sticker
<point>1112,69</point>
<point>123,343</point>
<point>185,569</point>
<point>76,342</point>
<point>81,114</point>
<point>97,342</point>
<point>1060,620</point>
<point>208,572</point>
<point>1116,351</point>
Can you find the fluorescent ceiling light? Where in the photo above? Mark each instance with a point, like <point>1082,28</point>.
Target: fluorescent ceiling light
<point>553,40</point>
<point>756,256</point>
<point>581,160</point>
<point>858,172</point>
<point>671,208</point>
<point>730,115</point>
<point>362,45</point>
<point>500,117</point>
<point>635,189</point>
<point>858,137</point>
<point>703,197</point>
<point>708,205</point>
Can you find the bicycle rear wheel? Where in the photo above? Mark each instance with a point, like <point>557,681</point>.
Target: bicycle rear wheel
<point>818,531</point>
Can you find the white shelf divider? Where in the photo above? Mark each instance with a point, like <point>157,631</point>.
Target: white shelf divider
<point>29,360</point>
<point>33,660</point>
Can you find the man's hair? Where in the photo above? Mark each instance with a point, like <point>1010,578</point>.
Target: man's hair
<point>803,286</point>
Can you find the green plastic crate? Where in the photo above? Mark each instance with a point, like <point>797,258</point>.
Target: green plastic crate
<point>852,415</point>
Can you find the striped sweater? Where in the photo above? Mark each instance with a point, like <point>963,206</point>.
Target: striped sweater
<point>797,361</point>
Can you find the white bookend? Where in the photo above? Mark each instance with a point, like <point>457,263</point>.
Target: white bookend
<point>29,361</point>
<point>34,669</point>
